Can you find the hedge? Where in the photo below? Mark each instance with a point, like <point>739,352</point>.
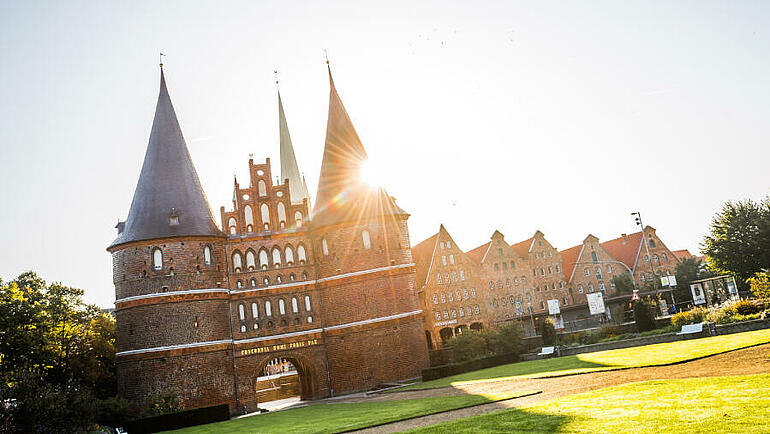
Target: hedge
<point>182,419</point>
<point>472,365</point>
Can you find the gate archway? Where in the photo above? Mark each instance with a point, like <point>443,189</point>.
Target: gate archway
<point>283,377</point>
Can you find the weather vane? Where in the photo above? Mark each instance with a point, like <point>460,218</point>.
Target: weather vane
<point>275,71</point>
<point>326,55</point>
<point>161,59</point>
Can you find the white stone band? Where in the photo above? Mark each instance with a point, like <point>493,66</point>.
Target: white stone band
<point>172,293</point>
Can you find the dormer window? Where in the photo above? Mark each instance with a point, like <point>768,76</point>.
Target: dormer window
<point>173,219</point>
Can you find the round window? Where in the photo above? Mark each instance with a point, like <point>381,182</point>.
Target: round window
<point>245,197</point>
<point>279,194</point>
<point>260,172</point>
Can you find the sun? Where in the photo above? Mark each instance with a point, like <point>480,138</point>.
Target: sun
<point>370,174</point>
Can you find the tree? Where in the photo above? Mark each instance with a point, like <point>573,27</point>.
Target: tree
<point>623,283</point>
<point>467,346</point>
<point>57,356</point>
<point>644,314</point>
<point>507,339</point>
<point>760,284</point>
<point>739,239</point>
<point>548,332</point>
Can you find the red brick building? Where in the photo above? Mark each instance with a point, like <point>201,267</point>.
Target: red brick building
<point>202,312</point>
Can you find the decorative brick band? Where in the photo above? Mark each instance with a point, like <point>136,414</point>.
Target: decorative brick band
<point>375,320</point>
<point>165,297</point>
<point>363,272</point>
<point>173,347</point>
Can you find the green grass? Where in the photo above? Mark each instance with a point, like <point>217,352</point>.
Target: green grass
<point>693,405</point>
<point>341,417</point>
<point>648,355</point>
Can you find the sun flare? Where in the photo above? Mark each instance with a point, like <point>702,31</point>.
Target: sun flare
<point>370,174</point>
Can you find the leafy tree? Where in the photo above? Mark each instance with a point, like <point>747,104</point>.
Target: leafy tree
<point>467,346</point>
<point>57,356</point>
<point>760,284</point>
<point>644,314</point>
<point>739,239</point>
<point>690,269</point>
<point>548,332</point>
<point>623,283</point>
<point>507,339</point>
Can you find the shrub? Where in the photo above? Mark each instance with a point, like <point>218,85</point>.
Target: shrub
<point>507,339</point>
<point>114,412</point>
<point>548,332</point>
<point>746,308</point>
<point>644,314</point>
<point>468,346</point>
<point>760,284</point>
<point>161,403</point>
<point>692,316</point>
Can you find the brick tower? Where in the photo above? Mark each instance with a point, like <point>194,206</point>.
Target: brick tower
<point>365,273</point>
<point>169,262</point>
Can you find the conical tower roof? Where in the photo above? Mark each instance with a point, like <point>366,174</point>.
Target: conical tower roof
<point>342,196</point>
<point>168,185</point>
<point>289,169</point>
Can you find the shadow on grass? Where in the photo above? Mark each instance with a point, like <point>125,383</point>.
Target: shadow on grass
<point>507,420</point>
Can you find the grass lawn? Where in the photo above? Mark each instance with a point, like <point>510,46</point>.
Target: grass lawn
<point>648,355</point>
<point>341,417</point>
<point>707,405</point>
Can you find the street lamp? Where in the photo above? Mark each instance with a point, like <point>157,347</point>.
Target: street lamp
<point>638,220</point>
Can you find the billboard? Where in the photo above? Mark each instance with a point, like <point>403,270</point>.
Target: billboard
<point>595,303</point>
<point>553,307</point>
<point>698,295</point>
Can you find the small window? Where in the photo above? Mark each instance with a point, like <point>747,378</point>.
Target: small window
<point>443,259</point>
<point>301,254</point>
<point>325,247</point>
<point>448,244</point>
<point>609,269</point>
<point>473,292</point>
<point>594,257</point>
<point>542,305</point>
<point>451,297</point>
<point>366,240</point>
<point>282,214</point>
<point>499,252</point>
<point>580,289</point>
<point>207,255</point>
<point>462,275</point>
<point>157,259</point>
<point>513,265</point>
<point>465,293</point>
<point>298,219</point>
<point>262,188</point>
<point>232,225</point>
<point>435,299</point>
<point>237,262</point>
<point>646,258</point>
<point>452,259</point>
<point>441,245</point>
<point>665,257</point>
<point>250,260</point>
<point>590,287</point>
<point>505,265</point>
<point>253,282</point>
<point>497,267</point>
<point>507,283</point>
<point>499,284</point>
<point>294,305</point>
<point>476,308</point>
<point>254,310</point>
<point>454,276</point>
<point>276,257</point>
<point>438,279</point>
<point>598,272</point>
<point>652,243</point>
<point>550,270</point>
<point>307,303</point>
<point>586,271</point>
<point>438,316</point>
<point>558,269</point>
<point>268,308</point>
<point>289,254</point>
<point>265,212</point>
<point>443,297</point>
<point>491,285</point>
<point>309,319</point>
<point>241,312</point>
<point>248,216</point>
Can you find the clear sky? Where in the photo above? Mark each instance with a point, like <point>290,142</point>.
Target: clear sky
<point>516,116</point>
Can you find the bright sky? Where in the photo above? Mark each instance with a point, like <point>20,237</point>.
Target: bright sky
<point>516,116</point>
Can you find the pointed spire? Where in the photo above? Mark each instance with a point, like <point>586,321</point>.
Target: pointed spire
<point>289,169</point>
<point>168,184</point>
<point>343,153</point>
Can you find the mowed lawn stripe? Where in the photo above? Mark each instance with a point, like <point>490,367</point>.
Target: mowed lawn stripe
<point>692,405</point>
<point>635,357</point>
<point>328,417</point>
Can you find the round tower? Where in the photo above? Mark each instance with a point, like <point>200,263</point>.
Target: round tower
<point>171,296</point>
<point>365,274</point>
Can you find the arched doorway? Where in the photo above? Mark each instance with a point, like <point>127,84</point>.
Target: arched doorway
<point>283,381</point>
<point>446,334</point>
<point>460,329</point>
<point>476,326</point>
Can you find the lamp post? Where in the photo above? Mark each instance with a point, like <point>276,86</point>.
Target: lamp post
<point>638,220</point>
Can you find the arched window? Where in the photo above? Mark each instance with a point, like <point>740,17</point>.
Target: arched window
<point>254,310</point>
<point>281,306</point>
<point>586,271</point>
<point>665,257</point>
<point>594,257</point>
<point>250,260</point>
<point>366,239</point>
<point>652,243</point>
<point>452,259</point>
<point>248,215</point>
<point>598,272</point>
<point>262,188</point>
<point>304,275</point>
<point>237,262</point>
<point>207,255</point>
<point>241,312</point>
<point>298,219</point>
<point>307,303</point>
<point>264,262</point>
<point>325,247</point>
<point>276,257</point>
<point>301,256</point>
<point>462,275</point>
<point>232,224</point>
<point>266,281</point>
<point>580,289</point>
<point>157,259</point>
<point>294,305</point>
<point>265,216</point>
<point>507,283</point>
<point>590,287</point>
<point>289,255</point>
<point>438,279</point>
<point>281,215</point>
<point>268,308</point>
<point>253,282</point>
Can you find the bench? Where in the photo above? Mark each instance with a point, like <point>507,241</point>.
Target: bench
<point>691,328</point>
<point>546,351</point>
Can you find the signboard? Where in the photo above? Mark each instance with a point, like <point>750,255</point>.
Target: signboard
<point>731,288</point>
<point>443,323</point>
<point>553,307</point>
<point>698,296</point>
<point>663,306</point>
<point>671,280</point>
<point>519,310</point>
<point>635,295</point>
<point>664,281</point>
<point>595,303</point>
<point>558,322</point>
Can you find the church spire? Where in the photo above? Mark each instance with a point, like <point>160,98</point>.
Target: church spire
<point>168,185</point>
<point>289,169</point>
<point>343,153</point>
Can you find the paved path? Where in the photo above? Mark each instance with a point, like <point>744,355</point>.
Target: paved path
<point>754,360</point>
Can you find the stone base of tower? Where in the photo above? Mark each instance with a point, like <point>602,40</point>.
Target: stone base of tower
<point>199,379</point>
<point>363,359</point>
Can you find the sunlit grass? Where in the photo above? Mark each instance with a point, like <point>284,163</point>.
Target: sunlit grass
<point>648,355</point>
<point>329,417</point>
<point>693,405</point>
